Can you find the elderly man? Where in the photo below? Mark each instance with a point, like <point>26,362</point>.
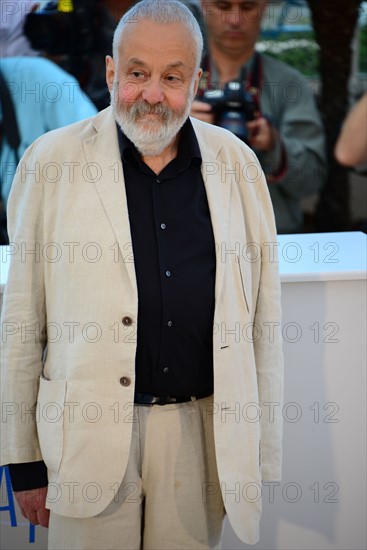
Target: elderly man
<point>276,114</point>
<point>141,347</point>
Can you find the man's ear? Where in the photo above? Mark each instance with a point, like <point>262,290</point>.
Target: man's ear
<point>197,80</point>
<point>110,71</point>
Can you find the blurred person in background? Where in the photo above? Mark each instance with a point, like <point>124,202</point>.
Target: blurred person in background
<point>13,42</point>
<point>265,103</point>
<point>36,96</point>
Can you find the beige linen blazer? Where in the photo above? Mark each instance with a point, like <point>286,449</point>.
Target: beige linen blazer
<point>68,350</point>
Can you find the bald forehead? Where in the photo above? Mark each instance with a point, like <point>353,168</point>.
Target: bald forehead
<point>147,33</point>
<point>149,44</point>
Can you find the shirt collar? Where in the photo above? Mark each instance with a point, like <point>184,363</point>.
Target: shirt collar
<point>188,147</point>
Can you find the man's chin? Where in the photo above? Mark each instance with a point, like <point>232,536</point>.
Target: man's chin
<point>149,116</point>
<point>150,152</point>
<point>151,124</point>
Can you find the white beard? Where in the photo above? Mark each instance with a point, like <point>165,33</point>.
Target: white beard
<point>151,136</point>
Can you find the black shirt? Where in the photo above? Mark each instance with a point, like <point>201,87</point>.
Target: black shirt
<point>174,257</point>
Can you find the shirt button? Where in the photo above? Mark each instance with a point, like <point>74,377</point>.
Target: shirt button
<point>163,226</point>
<point>127,321</point>
<point>168,274</point>
<point>169,324</point>
<point>158,180</point>
<point>125,381</point>
<point>165,370</point>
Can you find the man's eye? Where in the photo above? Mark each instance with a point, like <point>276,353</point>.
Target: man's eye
<point>137,74</point>
<point>172,78</point>
<point>248,6</point>
<point>227,6</point>
<point>223,6</point>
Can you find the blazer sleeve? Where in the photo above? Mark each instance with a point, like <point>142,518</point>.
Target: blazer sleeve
<point>23,319</point>
<point>268,348</point>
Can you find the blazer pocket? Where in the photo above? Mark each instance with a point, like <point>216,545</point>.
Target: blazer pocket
<point>243,285</point>
<point>50,426</point>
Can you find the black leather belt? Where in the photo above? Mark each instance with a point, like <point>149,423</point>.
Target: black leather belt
<point>149,399</point>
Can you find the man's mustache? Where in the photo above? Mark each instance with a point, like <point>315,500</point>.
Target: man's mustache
<point>142,107</point>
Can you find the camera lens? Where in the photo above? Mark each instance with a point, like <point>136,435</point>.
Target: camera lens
<point>235,122</point>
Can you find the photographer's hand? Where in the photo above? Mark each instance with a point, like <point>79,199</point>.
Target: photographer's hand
<point>202,111</point>
<point>262,134</point>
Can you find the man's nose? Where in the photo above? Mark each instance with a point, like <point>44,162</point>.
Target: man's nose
<point>234,15</point>
<point>152,92</point>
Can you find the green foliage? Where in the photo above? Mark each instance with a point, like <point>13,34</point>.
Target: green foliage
<point>303,59</point>
<point>300,51</point>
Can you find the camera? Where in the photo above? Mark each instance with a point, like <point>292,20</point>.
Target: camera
<point>233,106</point>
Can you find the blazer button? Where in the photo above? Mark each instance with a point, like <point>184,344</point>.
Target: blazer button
<point>127,321</point>
<point>125,381</point>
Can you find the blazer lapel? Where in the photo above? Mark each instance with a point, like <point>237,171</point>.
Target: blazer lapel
<point>217,180</point>
<point>103,154</point>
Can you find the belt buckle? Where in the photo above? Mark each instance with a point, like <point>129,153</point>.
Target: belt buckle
<point>149,400</point>
<point>156,400</point>
<point>166,400</point>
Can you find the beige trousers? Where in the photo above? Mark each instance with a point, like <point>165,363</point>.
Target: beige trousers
<point>164,500</point>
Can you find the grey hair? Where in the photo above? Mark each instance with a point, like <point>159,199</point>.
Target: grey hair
<point>162,12</point>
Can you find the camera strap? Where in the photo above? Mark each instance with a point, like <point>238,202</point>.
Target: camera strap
<point>9,124</point>
<point>252,79</point>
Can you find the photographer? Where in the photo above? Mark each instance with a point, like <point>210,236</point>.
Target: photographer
<point>265,103</point>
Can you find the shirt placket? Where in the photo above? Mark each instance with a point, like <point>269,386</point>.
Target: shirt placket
<point>165,366</point>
